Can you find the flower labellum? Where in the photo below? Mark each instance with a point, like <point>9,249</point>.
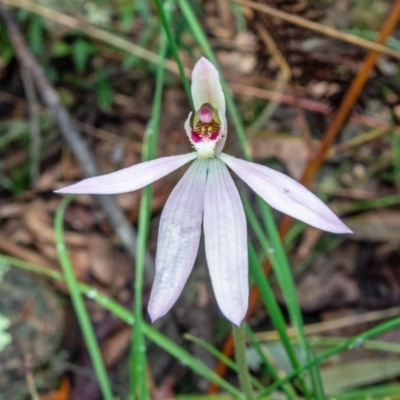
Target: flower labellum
<point>207,194</point>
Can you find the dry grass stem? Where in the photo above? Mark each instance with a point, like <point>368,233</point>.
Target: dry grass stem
<point>321,327</point>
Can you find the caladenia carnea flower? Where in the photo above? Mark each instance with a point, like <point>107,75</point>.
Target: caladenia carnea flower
<point>207,194</point>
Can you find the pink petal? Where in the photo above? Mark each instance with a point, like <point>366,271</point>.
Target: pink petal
<point>224,133</point>
<point>131,178</point>
<point>206,86</point>
<point>178,239</point>
<point>225,235</point>
<point>286,195</point>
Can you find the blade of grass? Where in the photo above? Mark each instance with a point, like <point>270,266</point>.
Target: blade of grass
<point>288,389</point>
<point>348,344</point>
<point>373,204</point>
<point>396,158</point>
<point>316,379</point>
<point>239,338</point>
<point>269,300</point>
<point>379,345</point>
<point>284,276</point>
<point>77,301</point>
<point>187,359</point>
<point>138,354</point>
<point>143,9</point>
<point>267,296</point>
<point>221,356</point>
<point>277,256</point>
<point>171,41</point>
<point>375,392</point>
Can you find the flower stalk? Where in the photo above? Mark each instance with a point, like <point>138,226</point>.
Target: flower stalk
<point>239,339</point>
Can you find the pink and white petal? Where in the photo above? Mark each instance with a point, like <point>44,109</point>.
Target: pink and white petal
<point>206,86</point>
<point>131,178</point>
<point>224,133</point>
<point>225,234</point>
<point>187,127</point>
<point>178,239</point>
<point>286,195</point>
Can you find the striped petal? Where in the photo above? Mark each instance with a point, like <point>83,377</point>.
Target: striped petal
<point>178,239</point>
<point>206,86</point>
<point>225,233</point>
<point>131,178</point>
<point>286,195</point>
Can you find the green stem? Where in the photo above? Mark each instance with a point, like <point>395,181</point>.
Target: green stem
<point>171,41</point>
<point>222,357</point>
<point>288,389</point>
<point>396,158</point>
<point>77,301</point>
<point>284,276</point>
<point>240,352</point>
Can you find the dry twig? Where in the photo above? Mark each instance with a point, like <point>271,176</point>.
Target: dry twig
<point>339,323</point>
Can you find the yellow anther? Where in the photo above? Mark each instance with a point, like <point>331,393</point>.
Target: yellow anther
<point>203,128</point>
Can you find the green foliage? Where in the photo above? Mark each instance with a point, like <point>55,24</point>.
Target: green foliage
<point>104,93</point>
<point>126,15</point>
<point>81,52</point>
<point>35,34</point>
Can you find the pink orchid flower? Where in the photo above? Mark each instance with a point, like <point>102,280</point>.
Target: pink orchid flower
<point>206,193</point>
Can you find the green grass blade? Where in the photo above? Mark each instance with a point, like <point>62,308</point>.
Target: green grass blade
<point>284,276</point>
<point>262,282</point>
<point>396,158</point>
<point>239,339</point>
<point>382,392</point>
<point>288,389</point>
<point>77,301</point>
<point>187,359</point>
<point>269,300</point>
<point>348,344</point>
<point>220,356</point>
<point>272,306</point>
<point>316,379</point>
<point>171,41</point>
